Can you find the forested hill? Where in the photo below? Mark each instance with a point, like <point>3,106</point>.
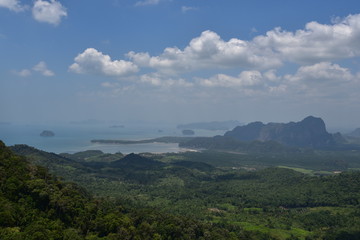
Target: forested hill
<point>172,196</point>
<point>35,205</point>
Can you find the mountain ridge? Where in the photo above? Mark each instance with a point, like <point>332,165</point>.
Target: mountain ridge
<point>310,132</point>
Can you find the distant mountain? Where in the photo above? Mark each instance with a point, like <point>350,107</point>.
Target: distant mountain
<point>213,126</point>
<point>230,144</point>
<point>310,132</point>
<point>87,122</point>
<point>47,133</point>
<point>188,132</point>
<point>117,126</point>
<point>355,133</point>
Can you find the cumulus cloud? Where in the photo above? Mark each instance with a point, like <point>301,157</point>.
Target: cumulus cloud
<point>313,50</point>
<point>43,70</point>
<point>22,73</point>
<point>93,61</point>
<point>147,2</point>
<point>317,42</point>
<point>322,72</point>
<point>208,51</point>
<point>244,79</point>
<point>48,12</point>
<point>39,68</point>
<point>320,79</point>
<point>163,81</point>
<point>186,9</point>
<point>13,5</point>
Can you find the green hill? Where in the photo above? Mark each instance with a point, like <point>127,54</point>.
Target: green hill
<point>36,205</point>
<point>176,196</point>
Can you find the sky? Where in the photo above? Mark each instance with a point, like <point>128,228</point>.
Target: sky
<point>179,61</point>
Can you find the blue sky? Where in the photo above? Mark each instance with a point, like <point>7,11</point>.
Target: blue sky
<point>180,61</point>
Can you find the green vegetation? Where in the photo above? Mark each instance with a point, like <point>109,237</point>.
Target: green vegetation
<point>215,194</point>
<point>309,171</point>
<point>36,205</point>
<point>93,156</point>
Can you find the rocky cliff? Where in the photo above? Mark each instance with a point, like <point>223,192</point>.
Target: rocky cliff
<point>310,132</point>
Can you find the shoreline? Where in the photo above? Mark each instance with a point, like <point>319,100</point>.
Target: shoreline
<point>143,141</point>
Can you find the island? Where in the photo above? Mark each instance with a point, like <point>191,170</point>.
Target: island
<point>153,140</point>
<point>211,126</point>
<point>47,133</point>
<point>188,132</point>
<point>117,126</point>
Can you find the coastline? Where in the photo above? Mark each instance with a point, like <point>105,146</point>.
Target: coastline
<point>143,141</point>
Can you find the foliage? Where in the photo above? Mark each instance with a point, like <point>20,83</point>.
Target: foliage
<point>204,195</point>
<point>36,205</point>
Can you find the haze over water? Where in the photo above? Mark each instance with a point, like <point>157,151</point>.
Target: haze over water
<point>75,137</point>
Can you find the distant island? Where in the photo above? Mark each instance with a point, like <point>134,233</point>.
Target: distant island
<point>212,126</point>
<point>355,133</point>
<point>188,132</point>
<point>308,133</point>
<point>87,122</point>
<point>353,137</point>
<point>117,126</point>
<point>47,133</point>
<point>152,140</point>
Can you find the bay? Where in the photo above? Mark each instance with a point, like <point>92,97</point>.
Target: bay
<point>72,138</point>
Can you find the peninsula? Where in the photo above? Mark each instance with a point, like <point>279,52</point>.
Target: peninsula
<point>152,140</point>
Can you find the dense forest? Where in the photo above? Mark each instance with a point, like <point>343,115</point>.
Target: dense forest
<point>204,195</point>
<point>37,205</point>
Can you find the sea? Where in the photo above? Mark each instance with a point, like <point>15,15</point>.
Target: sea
<point>71,138</point>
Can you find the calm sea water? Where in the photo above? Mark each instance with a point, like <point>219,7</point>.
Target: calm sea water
<point>72,138</point>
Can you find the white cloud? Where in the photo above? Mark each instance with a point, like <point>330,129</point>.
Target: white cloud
<point>42,69</point>
<point>93,61</point>
<point>245,79</point>
<point>317,42</point>
<point>186,9</point>
<point>313,49</point>
<point>23,73</point>
<point>108,85</point>
<point>147,2</point>
<point>49,12</point>
<point>324,72</point>
<point>163,81</point>
<point>318,80</point>
<point>323,79</point>
<point>208,51</point>
<point>13,5</point>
